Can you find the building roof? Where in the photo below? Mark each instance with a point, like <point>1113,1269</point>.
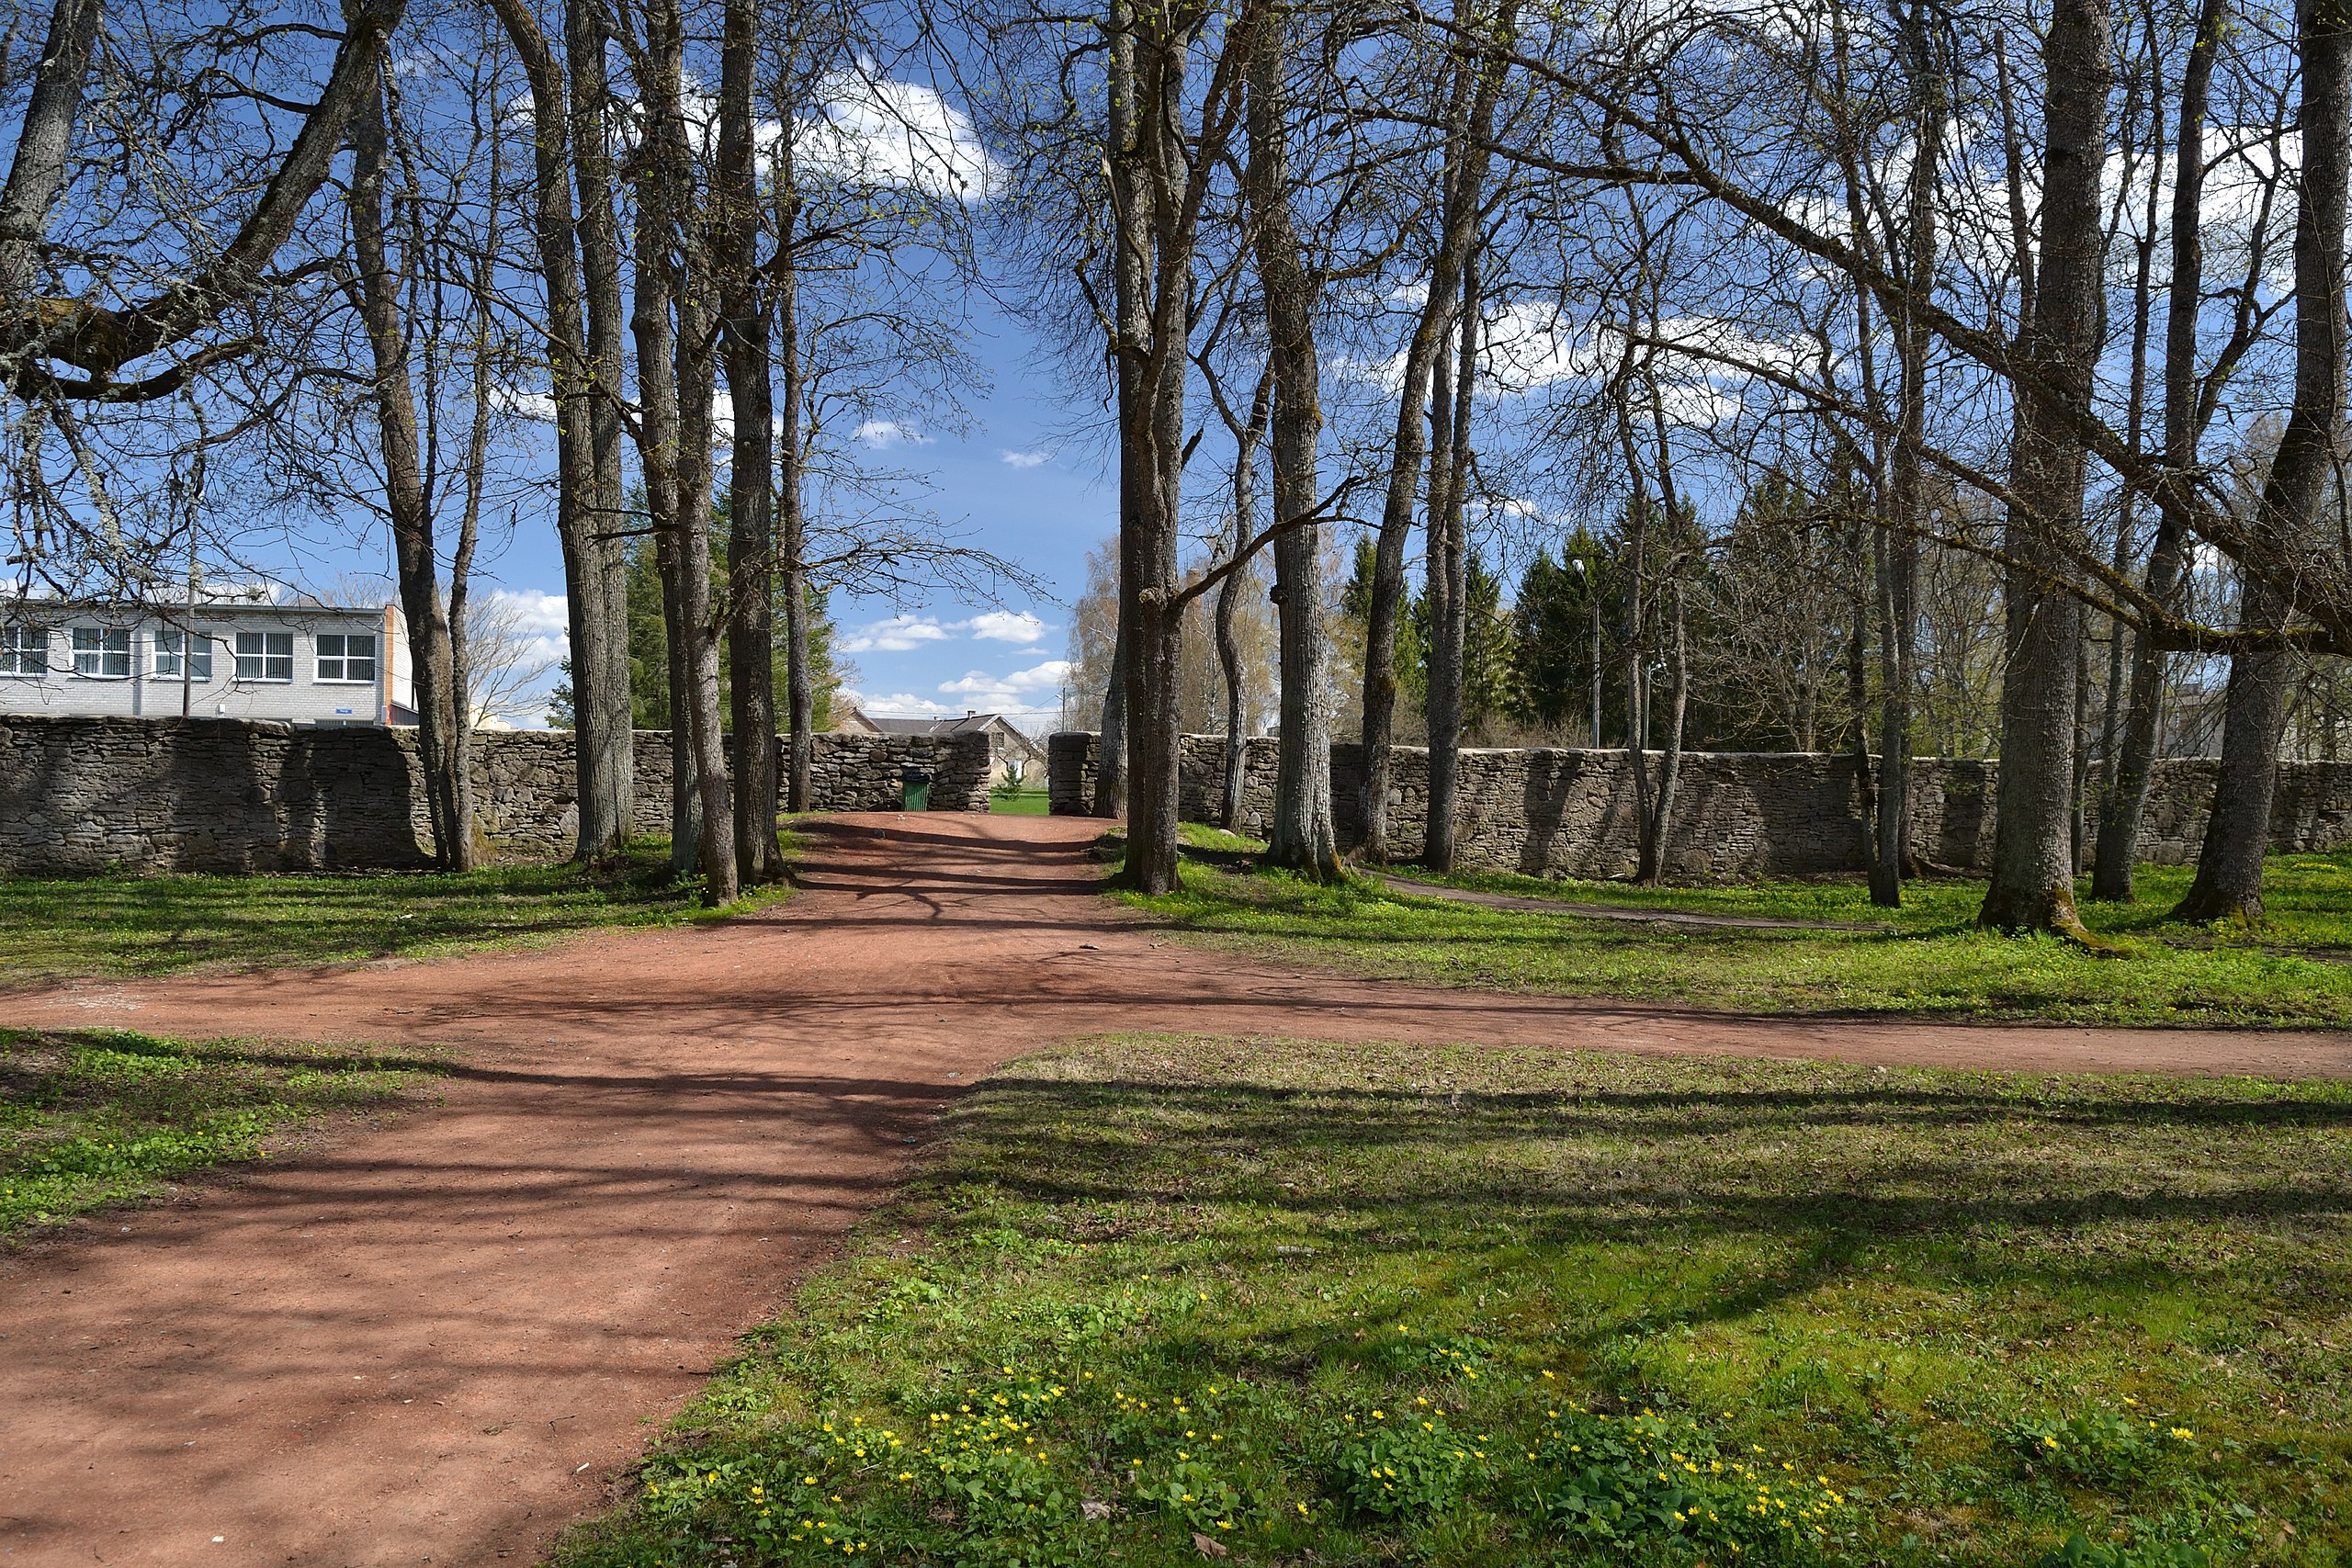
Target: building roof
<point>206,603</point>
<point>969,724</point>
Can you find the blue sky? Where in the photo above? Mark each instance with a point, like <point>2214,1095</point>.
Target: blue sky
<point>1012,481</point>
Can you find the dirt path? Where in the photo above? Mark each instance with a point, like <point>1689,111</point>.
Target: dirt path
<point>439,1342</point>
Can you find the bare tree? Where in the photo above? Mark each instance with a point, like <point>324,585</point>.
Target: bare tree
<point>2295,500</point>
<point>674,321</point>
<point>507,663</point>
<point>1302,835</point>
<point>599,641</point>
<point>1474,91</point>
<point>751,548</point>
<point>436,688</point>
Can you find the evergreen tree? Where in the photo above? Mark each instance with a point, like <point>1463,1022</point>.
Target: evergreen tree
<point>1489,651</point>
<point>1412,628</point>
<point>1552,623</point>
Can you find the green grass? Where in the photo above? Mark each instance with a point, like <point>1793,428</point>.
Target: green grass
<point>56,926</point>
<point>2307,901</point>
<point>1151,1287</point>
<point>96,1117</point>
<point>1018,802</point>
<point>1927,959</point>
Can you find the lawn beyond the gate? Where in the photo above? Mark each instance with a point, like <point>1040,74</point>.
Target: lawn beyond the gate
<point>1157,1301</point>
<point>1927,958</point>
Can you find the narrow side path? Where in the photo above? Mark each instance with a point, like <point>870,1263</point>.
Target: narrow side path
<point>442,1340</point>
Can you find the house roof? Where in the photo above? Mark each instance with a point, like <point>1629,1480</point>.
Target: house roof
<point>969,724</point>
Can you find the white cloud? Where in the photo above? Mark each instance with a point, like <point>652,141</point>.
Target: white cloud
<point>881,434</point>
<point>541,615</point>
<point>893,133</point>
<point>523,403</point>
<point>903,632</point>
<point>1017,693</point>
<point>900,705</point>
<point>1006,626</point>
<point>1024,460</point>
<point>895,634</point>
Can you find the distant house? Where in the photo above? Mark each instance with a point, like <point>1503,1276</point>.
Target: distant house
<point>1008,748</point>
<point>299,661</point>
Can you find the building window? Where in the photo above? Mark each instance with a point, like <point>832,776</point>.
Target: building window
<point>264,656</point>
<point>347,657</point>
<point>102,652</point>
<point>167,655</point>
<point>24,651</point>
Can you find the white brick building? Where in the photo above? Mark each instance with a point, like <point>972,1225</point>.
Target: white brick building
<point>300,662</point>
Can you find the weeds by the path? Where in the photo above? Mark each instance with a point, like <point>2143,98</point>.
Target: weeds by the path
<point>56,926</point>
<point>1927,958</point>
<point>94,1117</point>
<point>1157,1301</point>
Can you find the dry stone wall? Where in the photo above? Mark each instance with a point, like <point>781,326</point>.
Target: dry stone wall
<point>80,795</point>
<point>526,798</point>
<point>87,795</point>
<point>1570,813</point>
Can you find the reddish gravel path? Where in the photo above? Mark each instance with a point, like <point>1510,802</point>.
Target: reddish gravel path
<point>439,1341</point>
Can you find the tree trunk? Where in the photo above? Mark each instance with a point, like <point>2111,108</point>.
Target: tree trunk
<point>1470,126</point>
<point>1448,552</point>
<point>1441,698</point>
<point>675,380</point>
<point>1637,646</point>
<point>685,794</point>
<point>2132,769</point>
<point>438,701</point>
<point>461,558</point>
<point>1229,658</point>
<point>800,690</point>
<point>697,367</point>
<point>36,329</point>
<point>1867,799</point>
<point>37,174</point>
<point>1154,203</point>
<point>1897,557</point>
<point>657,435</point>
<point>1301,836</point>
<point>1228,598</point>
<point>601,711</point>
<point>1130,132</point>
<point>751,544</point>
<point>2294,498</point>
<point>1670,772</point>
<point>2237,833</point>
<point>2034,867</point>
<point>1111,748</point>
<point>609,816</point>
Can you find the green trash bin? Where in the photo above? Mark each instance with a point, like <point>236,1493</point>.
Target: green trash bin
<point>916,784</point>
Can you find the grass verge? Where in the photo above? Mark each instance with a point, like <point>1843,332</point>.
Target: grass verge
<point>1157,1300</point>
<point>2307,901</point>
<point>96,1117</point>
<point>1928,959</point>
<point>57,927</point>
